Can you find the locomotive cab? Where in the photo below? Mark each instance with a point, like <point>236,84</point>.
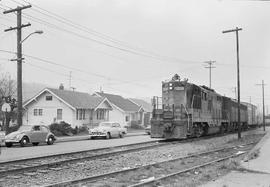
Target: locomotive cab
<point>172,121</point>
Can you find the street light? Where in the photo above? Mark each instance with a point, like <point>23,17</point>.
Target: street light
<point>36,32</point>
<point>19,74</point>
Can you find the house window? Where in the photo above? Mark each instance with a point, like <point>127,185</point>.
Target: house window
<point>48,98</point>
<point>80,114</point>
<point>59,114</point>
<point>40,111</point>
<point>100,114</point>
<point>35,112</point>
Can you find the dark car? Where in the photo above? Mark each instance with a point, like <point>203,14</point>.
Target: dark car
<point>30,134</point>
<point>148,129</point>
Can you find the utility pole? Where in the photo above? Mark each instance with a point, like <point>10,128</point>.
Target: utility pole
<point>238,76</point>
<point>251,110</point>
<point>210,63</point>
<point>263,102</point>
<point>19,56</point>
<point>70,77</point>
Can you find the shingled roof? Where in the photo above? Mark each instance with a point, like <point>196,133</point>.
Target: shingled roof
<point>122,103</point>
<point>145,105</point>
<point>77,100</point>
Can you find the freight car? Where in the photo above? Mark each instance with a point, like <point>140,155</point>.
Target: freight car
<point>188,110</point>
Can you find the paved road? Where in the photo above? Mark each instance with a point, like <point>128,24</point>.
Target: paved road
<point>17,152</point>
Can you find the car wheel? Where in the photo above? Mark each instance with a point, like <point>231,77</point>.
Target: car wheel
<point>121,135</point>
<point>24,141</point>
<point>108,136</point>
<point>92,137</point>
<point>8,144</point>
<point>35,143</point>
<point>50,140</point>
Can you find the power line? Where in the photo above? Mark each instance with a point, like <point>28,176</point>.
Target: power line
<point>72,68</point>
<point>134,50</point>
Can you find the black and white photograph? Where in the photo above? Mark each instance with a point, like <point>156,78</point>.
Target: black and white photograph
<point>135,93</point>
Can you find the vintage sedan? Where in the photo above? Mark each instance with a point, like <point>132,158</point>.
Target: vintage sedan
<point>108,130</point>
<point>30,134</point>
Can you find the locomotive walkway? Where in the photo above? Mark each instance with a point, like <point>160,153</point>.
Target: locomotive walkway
<point>257,165</point>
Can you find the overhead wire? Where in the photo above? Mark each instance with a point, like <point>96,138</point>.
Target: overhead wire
<point>72,68</point>
<point>134,50</point>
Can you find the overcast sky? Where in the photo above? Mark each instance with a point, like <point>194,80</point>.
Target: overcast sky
<point>158,39</point>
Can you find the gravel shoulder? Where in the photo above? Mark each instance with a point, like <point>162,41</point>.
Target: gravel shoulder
<point>128,160</point>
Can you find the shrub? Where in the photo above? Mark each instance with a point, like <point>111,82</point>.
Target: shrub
<point>135,125</point>
<point>83,129</point>
<point>60,129</point>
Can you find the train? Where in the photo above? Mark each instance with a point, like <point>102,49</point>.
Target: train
<point>188,110</point>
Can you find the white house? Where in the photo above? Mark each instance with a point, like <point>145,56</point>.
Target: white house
<point>147,110</point>
<point>124,111</point>
<point>76,108</point>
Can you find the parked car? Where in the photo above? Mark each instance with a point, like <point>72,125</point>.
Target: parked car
<point>30,134</point>
<point>108,130</point>
<point>148,129</point>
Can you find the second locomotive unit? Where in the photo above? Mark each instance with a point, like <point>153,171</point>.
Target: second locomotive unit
<point>188,110</point>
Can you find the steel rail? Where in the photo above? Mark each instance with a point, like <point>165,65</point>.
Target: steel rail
<point>78,158</point>
<point>185,170</point>
<point>75,152</point>
<point>95,177</point>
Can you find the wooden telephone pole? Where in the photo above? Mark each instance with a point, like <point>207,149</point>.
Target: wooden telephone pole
<point>263,102</point>
<point>210,63</point>
<point>19,59</point>
<point>238,76</point>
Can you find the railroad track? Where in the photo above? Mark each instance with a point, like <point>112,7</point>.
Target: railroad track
<point>52,161</point>
<point>211,157</point>
<point>58,159</point>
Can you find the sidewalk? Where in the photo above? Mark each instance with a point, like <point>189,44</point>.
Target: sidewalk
<point>257,163</point>
<point>86,137</point>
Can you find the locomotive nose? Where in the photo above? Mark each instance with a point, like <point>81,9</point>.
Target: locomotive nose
<point>168,127</point>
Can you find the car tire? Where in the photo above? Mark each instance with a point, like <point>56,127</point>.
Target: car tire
<point>108,136</point>
<point>50,140</point>
<point>35,143</point>
<point>24,141</point>
<point>92,137</point>
<point>8,144</point>
<point>121,135</point>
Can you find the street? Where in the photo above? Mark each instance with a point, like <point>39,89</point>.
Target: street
<point>18,152</point>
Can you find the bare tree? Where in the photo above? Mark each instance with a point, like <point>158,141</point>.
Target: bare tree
<point>7,89</point>
<point>7,85</point>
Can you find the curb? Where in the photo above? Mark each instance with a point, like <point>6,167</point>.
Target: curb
<point>255,150</point>
<point>80,138</point>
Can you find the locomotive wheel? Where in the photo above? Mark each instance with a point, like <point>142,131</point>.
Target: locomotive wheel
<point>198,131</point>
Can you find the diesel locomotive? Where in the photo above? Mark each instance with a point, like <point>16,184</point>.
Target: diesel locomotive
<point>188,110</point>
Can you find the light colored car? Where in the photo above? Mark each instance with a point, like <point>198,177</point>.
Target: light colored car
<point>108,130</point>
<point>30,134</point>
<point>148,129</point>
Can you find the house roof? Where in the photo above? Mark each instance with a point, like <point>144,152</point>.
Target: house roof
<point>76,100</point>
<point>145,105</point>
<point>122,103</point>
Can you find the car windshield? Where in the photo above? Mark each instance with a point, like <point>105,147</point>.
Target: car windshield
<point>105,124</point>
<point>25,128</point>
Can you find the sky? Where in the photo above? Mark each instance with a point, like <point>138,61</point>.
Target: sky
<point>129,47</point>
